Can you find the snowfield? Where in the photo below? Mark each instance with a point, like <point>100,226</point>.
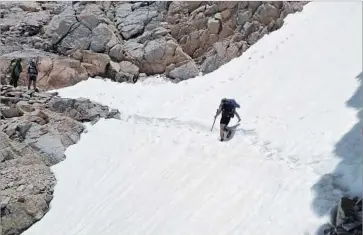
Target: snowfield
<point>160,170</point>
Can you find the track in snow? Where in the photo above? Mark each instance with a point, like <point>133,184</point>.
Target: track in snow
<point>152,173</point>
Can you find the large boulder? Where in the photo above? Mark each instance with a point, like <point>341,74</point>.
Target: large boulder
<point>214,25</point>
<point>128,67</point>
<point>160,53</point>
<point>95,63</point>
<point>65,72</point>
<point>124,71</point>
<point>117,53</point>
<point>185,71</point>
<point>222,53</point>
<point>133,50</point>
<point>103,38</point>
<point>131,22</point>
<point>267,13</point>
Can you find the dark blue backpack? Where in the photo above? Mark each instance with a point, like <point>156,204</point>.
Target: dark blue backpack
<point>234,103</point>
<point>32,69</point>
<point>228,107</point>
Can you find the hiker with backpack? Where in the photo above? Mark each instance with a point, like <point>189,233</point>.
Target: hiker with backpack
<point>228,109</point>
<point>32,74</point>
<point>16,69</point>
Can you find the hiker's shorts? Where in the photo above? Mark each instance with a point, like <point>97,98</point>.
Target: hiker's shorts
<point>32,77</point>
<point>225,120</point>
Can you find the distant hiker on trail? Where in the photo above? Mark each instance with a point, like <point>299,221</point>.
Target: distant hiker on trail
<point>228,109</point>
<point>16,69</point>
<point>32,74</point>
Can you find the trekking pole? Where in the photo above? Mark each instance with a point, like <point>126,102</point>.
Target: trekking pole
<point>213,123</point>
<point>215,117</point>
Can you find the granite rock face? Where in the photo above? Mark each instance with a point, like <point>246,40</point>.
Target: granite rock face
<point>77,40</point>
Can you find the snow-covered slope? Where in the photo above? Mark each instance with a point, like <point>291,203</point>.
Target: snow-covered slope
<point>160,170</point>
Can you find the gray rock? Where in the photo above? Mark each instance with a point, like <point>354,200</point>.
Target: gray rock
<point>176,7</point>
<point>227,5</point>
<point>253,38</point>
<point>210,64</point>
<point>82,110</point>
<point>211,10</point>
<point>214,25</point>
<point>90,21</point>
<point>159,31</point>
<point>146,36</point>
<point>129,31</point>
<point>128,67</point>
<point>124,77</point>
<point>79,38</point>
<point>135,50</point>
<point>345,209</point>
<point>101,35</point>
<point>10,112</point>
<point>112,70</point>
<point>20,188</point>
<point>266,13</point>
<point>36,206</point>
<point>114,40</point>
<point>347,218</point>
<point>114,113</point>
<point>60,25</point>
<point>129,73</point>
<point>6,153</point>
<point>54,8</point>
<point>193,5</point>
<point>117,53</point>
<point>155,50</point>
<point>186,71</point>
<point>253,5</point>
<point>4,202</point>
<point>243,16</point>
<point>131,23</point>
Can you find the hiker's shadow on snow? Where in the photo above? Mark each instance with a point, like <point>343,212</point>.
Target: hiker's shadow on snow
<point>348,172</point>
<point>233,130</point>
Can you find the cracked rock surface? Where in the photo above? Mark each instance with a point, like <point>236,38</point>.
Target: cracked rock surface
<point>35,130</point>
<point>346,218</point>
<point>77,40</point>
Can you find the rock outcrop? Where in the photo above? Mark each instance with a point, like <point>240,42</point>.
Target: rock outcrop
<point>35,130</point>
<point>347,218</point>
<point>178,39</point>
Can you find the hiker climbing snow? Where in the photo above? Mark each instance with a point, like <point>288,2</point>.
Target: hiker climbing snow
<point>228,109</point>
